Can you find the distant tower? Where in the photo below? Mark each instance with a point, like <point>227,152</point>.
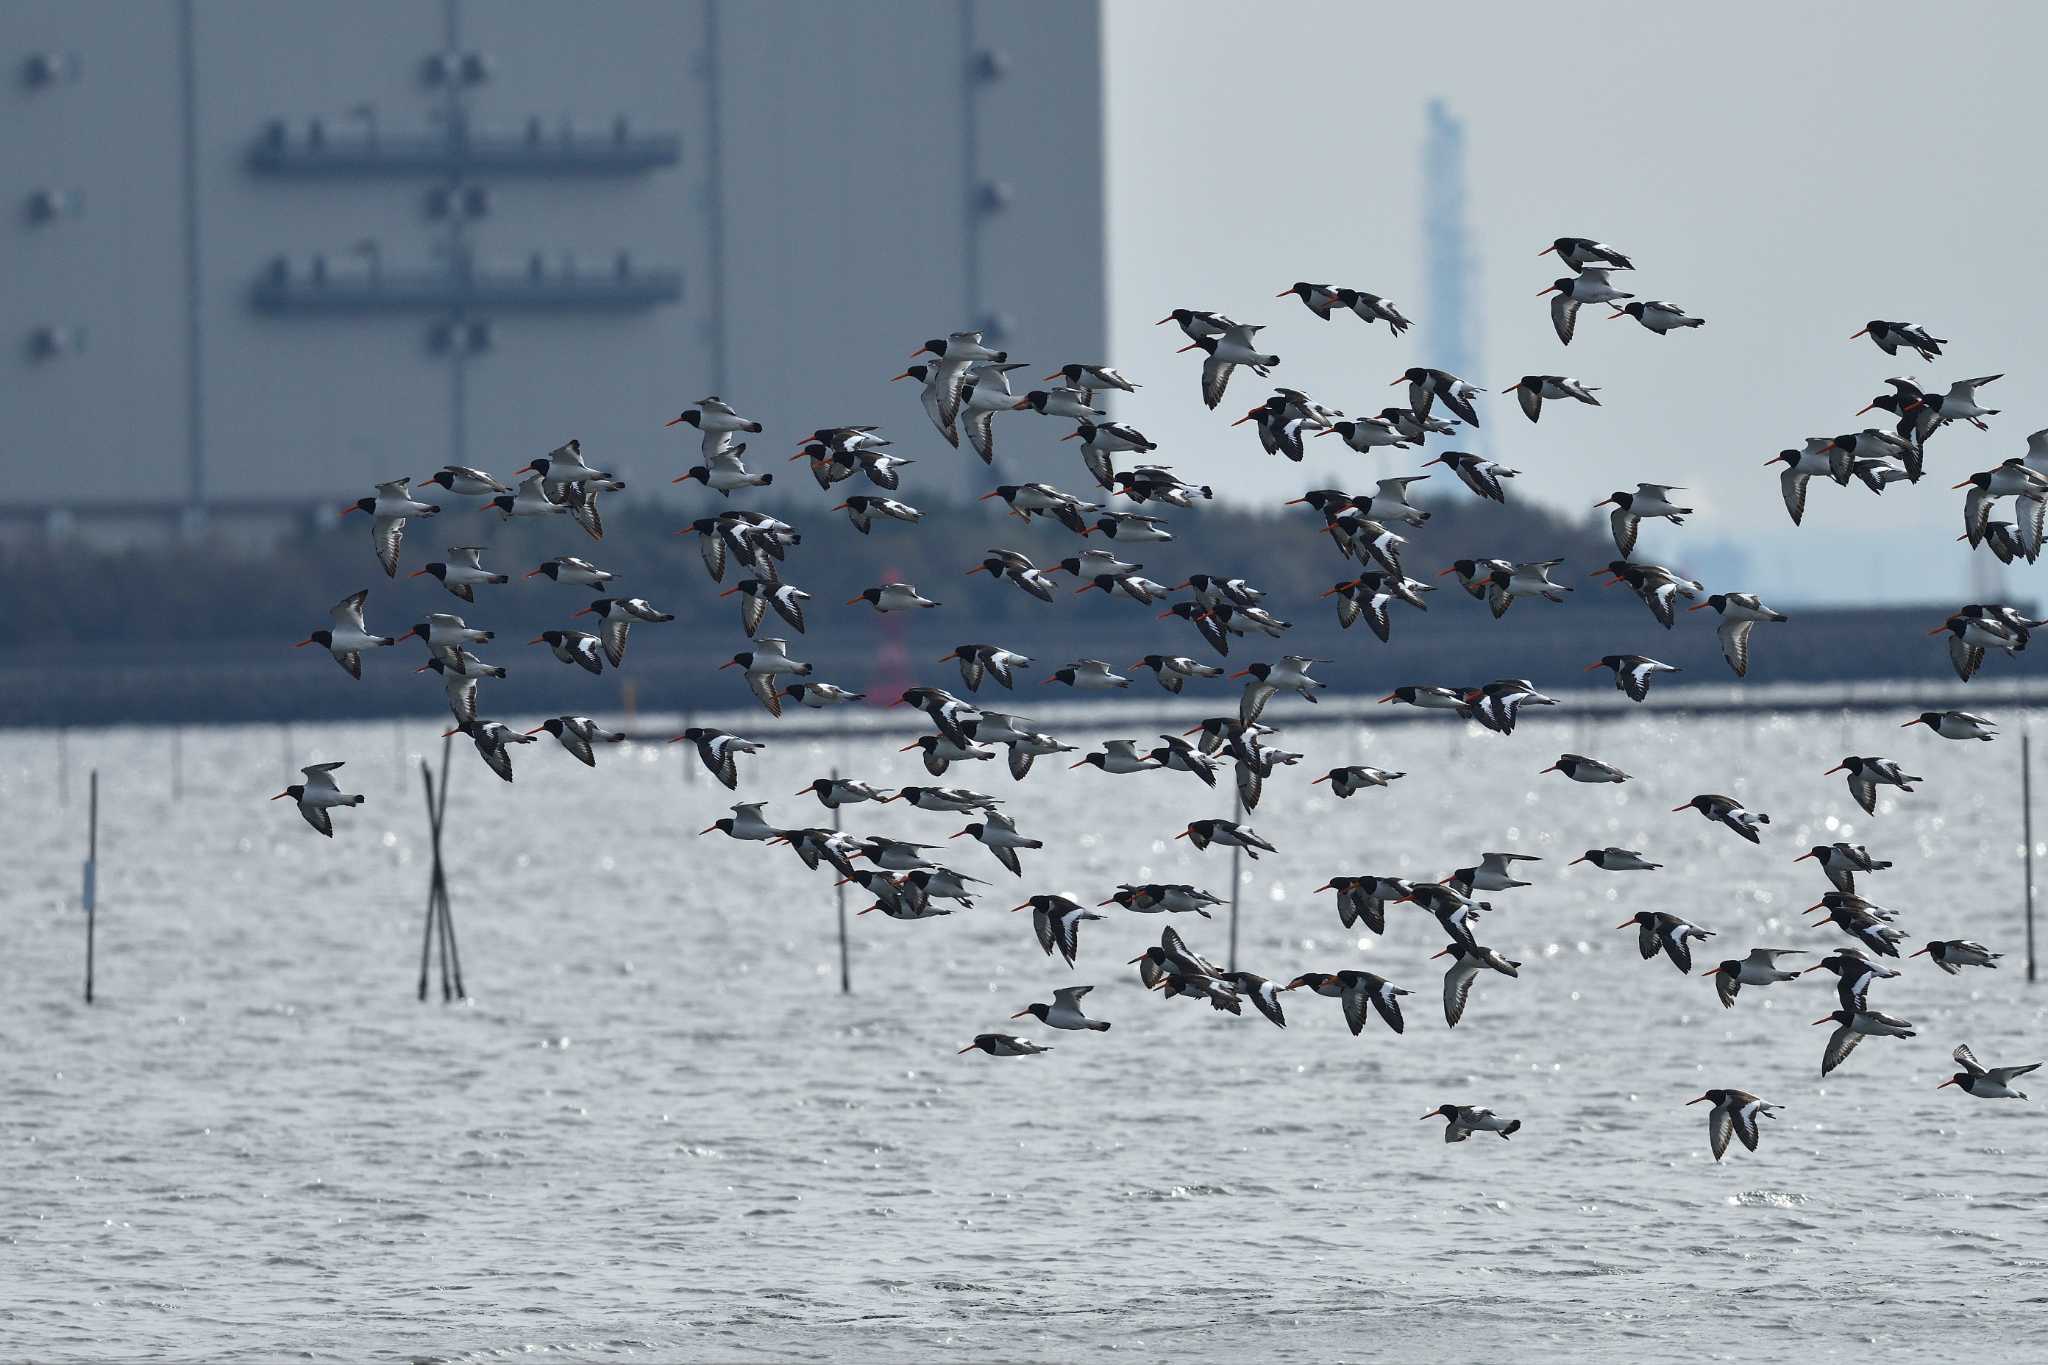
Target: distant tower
<point>1987,577</point>
<point>1449,325</point>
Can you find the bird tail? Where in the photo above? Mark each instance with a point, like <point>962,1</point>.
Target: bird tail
<point>1514,1127</point>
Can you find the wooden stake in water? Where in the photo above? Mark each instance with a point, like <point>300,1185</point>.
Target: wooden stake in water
<point>2027,832</point>
<point>440,925</point>
<point>845,969</point>
<point>92,877</point>
<point>1236,861</point>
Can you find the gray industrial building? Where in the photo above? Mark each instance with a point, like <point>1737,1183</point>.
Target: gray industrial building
<point>265,253</point>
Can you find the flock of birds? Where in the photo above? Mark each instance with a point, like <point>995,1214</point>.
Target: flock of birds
<point>965,384</point>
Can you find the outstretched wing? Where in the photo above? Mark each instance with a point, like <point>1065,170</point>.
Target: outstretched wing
<point>1719,1126</point>
<point>763,687</point>
<point>1215,379</point>
<point>1841,1043</point>
<point>1727,986</point>
<point>387,534</point>
<point>1564,315</point>
<point>1735,644</point>
<point>1457,988</point>
<point>1355,1006</point>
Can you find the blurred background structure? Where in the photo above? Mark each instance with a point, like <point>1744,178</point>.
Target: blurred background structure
<point>266,255</point>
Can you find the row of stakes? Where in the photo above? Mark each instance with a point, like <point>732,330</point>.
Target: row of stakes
<point>437,939</point>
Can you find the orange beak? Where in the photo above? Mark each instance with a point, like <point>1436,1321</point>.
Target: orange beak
<point>1854,335</point>
<point>280,796</point>
<point>1701,1100</point>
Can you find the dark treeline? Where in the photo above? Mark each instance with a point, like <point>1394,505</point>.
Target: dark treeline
<point>187,592</point>
<point>197,633</point>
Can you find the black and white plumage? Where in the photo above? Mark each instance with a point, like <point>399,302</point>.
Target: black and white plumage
<point>1890,336</point>
<point>1590,285</point>
<point>1581,253</point>
<point>1852,1027</point>
<point>1467,961</point>
<point>1579,768</point>
<point>1372,308</point>
<point>1854,974</point>
<point>346,637</point>
<point>1427,386</point>
<point>1659,931</point>
<point>462,572</point>
<point>1362,994</point>
<point>1057,921</point>
<point>1841,862</point>
<point>1730,812</point>
<point>1365,899</point>
<point>491,740</point>
<point>1658,316</point>
<point>1005,1045</point>
<point>1632,672</point>
<point>574,647</point>
<point>1463,1120</point>
<point>1356,778</point>
<point>1986,1082</point>
<point>757,595</point>
<point>719,752</point>
<point>578,573</point>
<point>1735,1113</point>
<point>1866,774</point>
<point>1064,1012</point>
<point>618,615</point>
<point>1476,472</point>
<point>1630,510</point>
<point>579,735</point>
<point>318,795</point>
<point>1229,833</point>
<point>1954,954</point>
<point>1612,859</point>
<point>1739,613</point>
<point>978,661</point>
<point>1532,390</point>
<point>389,510</point>
<point>997,833</point>
<point>1758,968</point>
<point>1226,351</point>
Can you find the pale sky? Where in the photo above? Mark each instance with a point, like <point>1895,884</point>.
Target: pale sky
<point>1787,171</point>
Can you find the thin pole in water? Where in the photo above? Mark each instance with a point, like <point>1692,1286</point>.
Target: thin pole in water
<point>92,877</point>
<point>450,947</point>
<point>1236,861</point>
<point>440,923</point>
<point>433,883</point>
<point>845,968</point>
<point>2027,832</point>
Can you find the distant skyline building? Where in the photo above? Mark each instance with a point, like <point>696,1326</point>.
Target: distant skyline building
<point>270,254</point>
<point>1450,328</point>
